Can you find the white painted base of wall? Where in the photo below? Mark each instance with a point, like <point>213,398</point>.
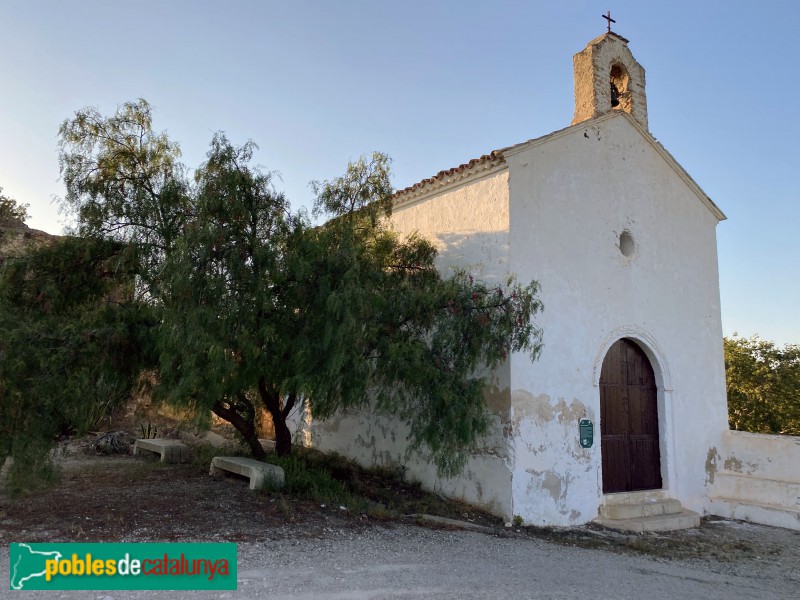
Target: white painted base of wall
<point>378,440</point>
<point>765,514</point>
<point>757,479</point>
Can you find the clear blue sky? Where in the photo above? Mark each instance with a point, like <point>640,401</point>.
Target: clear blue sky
<point>433,84</point>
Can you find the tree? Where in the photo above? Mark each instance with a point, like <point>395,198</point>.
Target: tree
<point>71,345</point>
<point>222,330</point>
<point>11,211</point>
<point>73,335</point>
<point>124,181</point>
<point>343,315</point>
<point>262,309</point>
<point>763,382</point>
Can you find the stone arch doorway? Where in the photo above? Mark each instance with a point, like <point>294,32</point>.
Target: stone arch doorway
<point>629,420</point>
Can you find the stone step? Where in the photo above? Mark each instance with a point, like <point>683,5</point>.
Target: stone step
<point>646,508</point>
<point>686,519</point>
<point>639,496</point>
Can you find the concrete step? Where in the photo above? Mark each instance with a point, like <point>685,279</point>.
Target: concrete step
<point>685,519</point>
<point>640,496</point>
<point>647,508</point>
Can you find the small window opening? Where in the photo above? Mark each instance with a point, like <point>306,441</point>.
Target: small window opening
<point>626,244</point>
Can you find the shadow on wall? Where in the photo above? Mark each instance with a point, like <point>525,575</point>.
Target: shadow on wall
<point>484,254</point>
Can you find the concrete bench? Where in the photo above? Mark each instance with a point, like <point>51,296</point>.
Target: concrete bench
<point>258,472</point>
<point>171,451</point>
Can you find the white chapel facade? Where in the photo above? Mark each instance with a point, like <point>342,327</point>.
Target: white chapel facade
<point>623,244</point>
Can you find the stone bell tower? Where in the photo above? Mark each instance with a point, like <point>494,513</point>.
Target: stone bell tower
<point>607,78</point>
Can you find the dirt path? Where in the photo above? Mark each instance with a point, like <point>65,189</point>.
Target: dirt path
<point>299,550</point>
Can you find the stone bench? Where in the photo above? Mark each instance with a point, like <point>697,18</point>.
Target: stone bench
<point>258,472</point>
<point>171,451</point>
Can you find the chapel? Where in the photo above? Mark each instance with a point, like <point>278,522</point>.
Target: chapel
<point>617,418</point>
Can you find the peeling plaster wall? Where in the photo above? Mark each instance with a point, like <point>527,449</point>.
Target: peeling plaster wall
<point>378,440</point>
<point>572,195</point>
<point>468,222</point>
<point>552,475</point>
<point>755,477</point>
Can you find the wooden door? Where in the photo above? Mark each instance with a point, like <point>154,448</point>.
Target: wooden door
<point>629,420</point>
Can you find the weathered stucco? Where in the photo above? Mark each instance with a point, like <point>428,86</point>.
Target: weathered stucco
<point>374,440</point>
<point>545,438</point>
<point>469,225</point>
<point>572,195</point>
<point>756,477</point>
<point>606,60</point>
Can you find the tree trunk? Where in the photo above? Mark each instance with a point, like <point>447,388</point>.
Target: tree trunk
<point>283,437</point>
<point>245,425</point>
<point>272,400</point>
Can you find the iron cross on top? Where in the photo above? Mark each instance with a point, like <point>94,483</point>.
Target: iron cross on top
<point>608,18</point>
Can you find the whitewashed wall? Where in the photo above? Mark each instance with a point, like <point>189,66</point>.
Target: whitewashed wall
<point>468,222</point>
<point>572,195</point>
<point>756,477</point>
<point>555,213</point>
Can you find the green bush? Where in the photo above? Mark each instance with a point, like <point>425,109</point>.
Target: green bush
<point>763,382</point>
<point>306,479</point>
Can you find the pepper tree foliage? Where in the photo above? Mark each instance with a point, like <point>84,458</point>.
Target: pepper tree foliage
<point>344,315</point>
<point>259,307</point>
<point>124,181</point>
<point>70,346</point>
<point>73,335</point>
<point>763,383</point>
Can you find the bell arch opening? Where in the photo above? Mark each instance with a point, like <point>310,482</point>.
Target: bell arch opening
<point>620,88</point>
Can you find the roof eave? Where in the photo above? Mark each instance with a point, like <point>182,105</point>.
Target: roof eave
<point>477,168</point>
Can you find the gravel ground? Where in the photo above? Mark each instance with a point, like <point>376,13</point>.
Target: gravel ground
<point>303,550</point>
<point>407,561</point>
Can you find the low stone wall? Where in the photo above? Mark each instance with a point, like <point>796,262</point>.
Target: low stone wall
<point>756,477</point>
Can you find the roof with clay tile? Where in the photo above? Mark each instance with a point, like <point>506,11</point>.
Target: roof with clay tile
<point>493,157</point>
<point>474,166</point>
